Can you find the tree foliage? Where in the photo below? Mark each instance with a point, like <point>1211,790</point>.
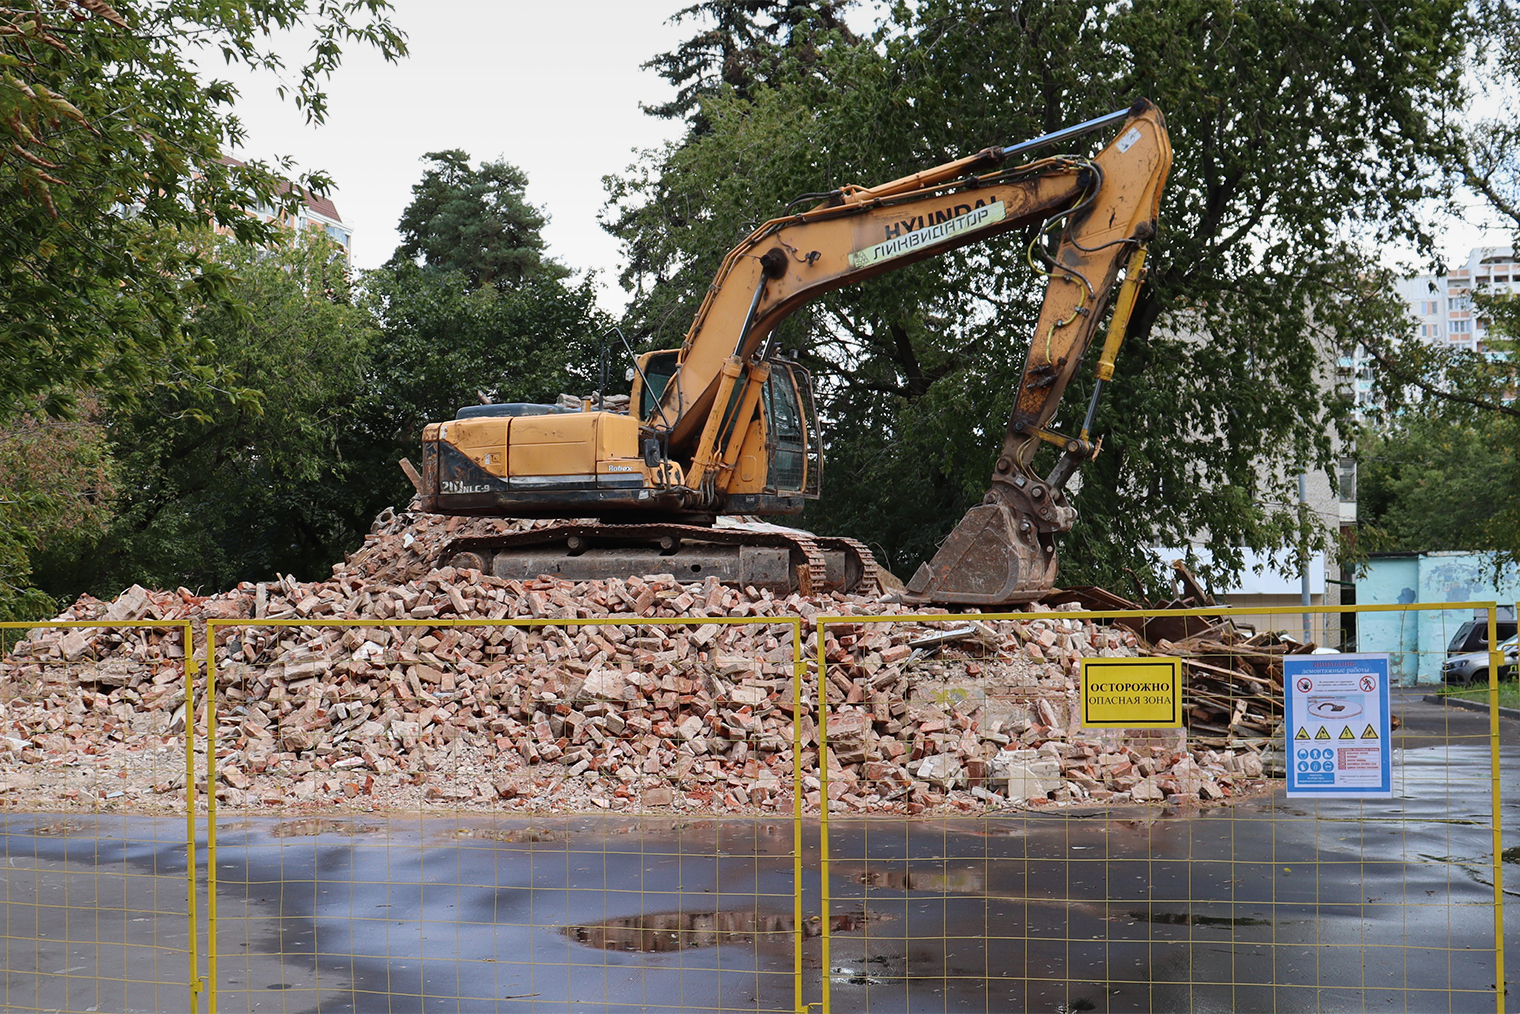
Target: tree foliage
<point>1438,463</point>
<point>57,478</point>
<point>1489,159</point>
<point>744,48</point>
<point>1438,458</point>
<point>111,146</point>
<point>476,222</point>
<point>1430,483</point>
<point>236,483</point>
<point>1294,125</point>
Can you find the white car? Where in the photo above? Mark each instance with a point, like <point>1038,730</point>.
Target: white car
<point>1473,666</point>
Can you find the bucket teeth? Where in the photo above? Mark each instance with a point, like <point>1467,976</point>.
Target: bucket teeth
<point>987,561</point>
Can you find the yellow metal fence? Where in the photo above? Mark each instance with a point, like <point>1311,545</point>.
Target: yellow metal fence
<point>489,815</point>
<point>511,814</point>
<point>97,815</point>
<point>1152,870</point>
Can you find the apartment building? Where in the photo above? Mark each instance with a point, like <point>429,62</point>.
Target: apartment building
<point>315,213</point>
<point>1442,307</point>
<point>1443,303</point>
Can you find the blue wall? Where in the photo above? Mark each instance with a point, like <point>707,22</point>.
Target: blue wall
<point>1417,640</point>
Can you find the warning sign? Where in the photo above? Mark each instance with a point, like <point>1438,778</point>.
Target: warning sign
<point>1132,693</point>
<point>1331,697</point>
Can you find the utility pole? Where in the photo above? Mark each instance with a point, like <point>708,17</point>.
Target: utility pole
<point>1303,550</point>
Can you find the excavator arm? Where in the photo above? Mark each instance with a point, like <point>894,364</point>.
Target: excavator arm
<point>1105,208</point>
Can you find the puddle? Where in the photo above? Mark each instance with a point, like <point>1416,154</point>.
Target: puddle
<point>61,828</point>
<point>660,932</point>
<point>509,834</point>
<point>857,977</point>
<point>967,881</point>
<point>312,826</point>
<point>1189,919</point>
<point>848,922</point>
<point>1511,855</point>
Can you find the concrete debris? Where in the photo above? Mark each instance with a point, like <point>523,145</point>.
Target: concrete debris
<point>568,715</point>
<point>1235,685</point>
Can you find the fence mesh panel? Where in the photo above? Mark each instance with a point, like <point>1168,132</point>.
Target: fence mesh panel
<point>507,816</point>
<point>634,812</point>
<point>93,819</point>
<point>985,851</point>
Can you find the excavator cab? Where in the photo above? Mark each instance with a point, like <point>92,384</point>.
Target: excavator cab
<point>796,444</point>
<point>782,452</point>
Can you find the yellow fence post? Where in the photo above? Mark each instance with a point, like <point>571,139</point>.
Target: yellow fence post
<point>821,702</point>
<point>1495,667</point>
<point>197,984</point>
<point>799,928</point>
<point>211,924</point>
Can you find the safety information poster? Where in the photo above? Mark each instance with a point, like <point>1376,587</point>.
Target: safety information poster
<point>1337,725</point>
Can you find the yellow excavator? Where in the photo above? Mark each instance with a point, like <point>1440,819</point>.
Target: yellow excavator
<point>726,426</point>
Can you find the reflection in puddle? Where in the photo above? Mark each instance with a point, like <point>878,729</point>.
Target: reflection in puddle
<point>510,834</point>
<point>971,880</point>
<point>678,931</point>
<point>61,828</point>
<point>1191,919</point>
<point>311,826</point>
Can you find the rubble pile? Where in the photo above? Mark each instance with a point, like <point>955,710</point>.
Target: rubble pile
<point>641,713</point>
<point>1235,685</point>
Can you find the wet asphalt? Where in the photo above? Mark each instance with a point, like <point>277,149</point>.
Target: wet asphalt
<point>1270,904</point>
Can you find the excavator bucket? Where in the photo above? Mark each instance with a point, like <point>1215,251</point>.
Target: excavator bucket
<point>987,561</point>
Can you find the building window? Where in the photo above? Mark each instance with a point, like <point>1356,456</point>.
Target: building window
<point>1346,476</point>
<point>1461,327</point>
<point>1458,303</point>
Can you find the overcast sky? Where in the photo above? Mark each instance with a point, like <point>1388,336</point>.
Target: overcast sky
<point>554,88</point>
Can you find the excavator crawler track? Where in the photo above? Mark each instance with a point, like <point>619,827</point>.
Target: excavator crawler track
<point>782,561</point>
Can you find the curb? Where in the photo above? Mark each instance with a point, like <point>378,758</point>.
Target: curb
<point>1457,702</point>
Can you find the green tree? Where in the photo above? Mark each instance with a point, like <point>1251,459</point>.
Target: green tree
<point>238,483</point>
<point>1437,460</point>
<point>57,479</point>
<point>1488,149</point>
<point>1293,125</point>
<point>484,316</point>
<point>1438,463</point>
<point>474,221</point>
<point>743,47</point>
<point>1429,482</point>
<point>112,148</point>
